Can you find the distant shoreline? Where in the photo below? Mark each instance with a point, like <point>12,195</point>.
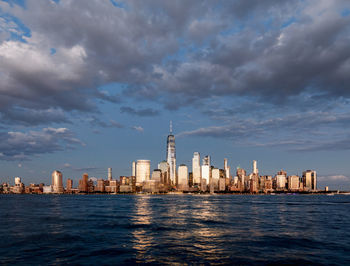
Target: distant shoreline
<point>328,193</point>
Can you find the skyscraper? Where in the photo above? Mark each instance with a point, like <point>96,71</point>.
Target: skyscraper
<point>143,171</point>
<point>226,168</point>
<point>133,171</point>
<point>109,174</point>
<point>57,184</point>
<point>183,177</point>
<point>171,155</point>
<point>196,168</point>
<point>205,169</point>
<point>255,168</point>
<point>310,180</point>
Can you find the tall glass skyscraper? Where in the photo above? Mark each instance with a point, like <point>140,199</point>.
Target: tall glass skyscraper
<point>171,155</point>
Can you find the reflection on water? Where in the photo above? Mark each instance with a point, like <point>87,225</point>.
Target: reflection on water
<point>170,229</point>
<point>142,240</point>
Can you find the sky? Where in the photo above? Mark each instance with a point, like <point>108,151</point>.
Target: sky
<point>87,85</point>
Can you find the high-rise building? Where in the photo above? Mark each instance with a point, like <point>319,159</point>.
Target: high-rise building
<point>205,173</point>
<point>83,183</point>
<point>215,172</point>
<point>110,174</point>
<point>281,180</point>
<point>255,168</point>
<point>69,185</point>
<point>293,182</point>
<point>57,183</point>
<point>157,175</point>
<point>226,168</point>
<point>196,168</point>
<point>143,171</point>
<point>183,177</point>
<point>171,155</point>
<point>164,167</point>
<point>133,171</point>
<point>310,180</point>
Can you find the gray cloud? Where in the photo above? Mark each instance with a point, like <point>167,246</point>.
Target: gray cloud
<point>138,128</point>
<point>23,146</point>
<point>94,121</point>
<point>301,132</point>
<point>177,53</point>
<point>139,112</point>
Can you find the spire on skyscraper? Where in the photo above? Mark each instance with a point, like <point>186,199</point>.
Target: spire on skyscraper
<point>171,127</point>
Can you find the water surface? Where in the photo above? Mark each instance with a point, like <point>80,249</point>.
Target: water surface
<point>165,229</point>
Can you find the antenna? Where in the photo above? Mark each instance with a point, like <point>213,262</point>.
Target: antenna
<point>171,127</point>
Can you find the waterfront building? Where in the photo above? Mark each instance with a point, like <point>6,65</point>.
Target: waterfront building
<point>281,182</point>
<point>204,185</point>
<point>226,169</point>
<point>206,169</point>
<point>171,155</point>
<point>183,177</point>
<point>190,179</point>
<point>69,185</point>
<point>110,174</point>
<point>83,183</point>
<point>205,173</point>
<point>57,182</point>
<point>151,186</point>
<point>101,184</point>
<point>243,181</point>
<point>255,168</point>
<point>215,176</point>
<point>310,180</point>
<point>143,171</point>
<point>157,175</point>
<point>165,168</point>
<point>293,183</point>
<point>133,167</point>
<point>47,189</point>
<point>222,184</point>
<point>196,168</point>
<point>19,186</point>
<point>113,187</point>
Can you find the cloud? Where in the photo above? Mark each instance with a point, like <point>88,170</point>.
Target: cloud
<point>94,121</point>
<point>24,146</point>
<point>299,132</point>
<point>140,112</point>
<point>334,182</point>
<point>138,128</point>
<point>176,53</point>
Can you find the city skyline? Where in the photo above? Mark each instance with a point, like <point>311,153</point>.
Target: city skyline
<point>204,178</point>
<point>88,87</point>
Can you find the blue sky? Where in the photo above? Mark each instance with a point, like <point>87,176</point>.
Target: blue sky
<point>89,85</point>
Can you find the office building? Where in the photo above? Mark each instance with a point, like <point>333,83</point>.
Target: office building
<point>226,169</point>
<point>157,175</point>
<point>183,177</point>
<point>83,186</point>
<point>310,180</point>
<point>110,174</point>
<point>69,185</point>
<point>215,176</point>
<point>133,169</point>
<point>255,168</point>
<point>171,155</point>
<point>281,182</point>
<point>293,182</point>
<point>57,182</point>
<point>143,171</point>
<point>196,168</point>
<point>165,168</point>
